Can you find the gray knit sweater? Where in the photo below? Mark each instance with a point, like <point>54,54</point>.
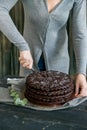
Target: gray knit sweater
<point>46,32</point>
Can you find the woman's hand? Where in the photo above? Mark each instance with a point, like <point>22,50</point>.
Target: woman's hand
<point>81,86</point>
<point>26,59</point>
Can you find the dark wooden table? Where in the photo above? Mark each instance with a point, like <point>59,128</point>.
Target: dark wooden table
<point>19,118</point>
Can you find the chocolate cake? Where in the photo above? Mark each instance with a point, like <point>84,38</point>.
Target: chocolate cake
<point>49,88</point>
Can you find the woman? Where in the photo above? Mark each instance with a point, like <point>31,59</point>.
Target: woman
<point>45,37</point>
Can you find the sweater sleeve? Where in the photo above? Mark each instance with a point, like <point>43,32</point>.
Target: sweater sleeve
<point>79,31</point>
<point>8,28</point>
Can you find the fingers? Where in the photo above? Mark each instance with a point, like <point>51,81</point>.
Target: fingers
<point>81,91</point>
<point>77,90</point>
<point>26,59</point>
<point>82,94</point>
<point>26,63</point>
<point>81,86</point>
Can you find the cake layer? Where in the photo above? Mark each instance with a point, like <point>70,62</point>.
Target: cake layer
<point>57,87</point>
<point>46,102</point>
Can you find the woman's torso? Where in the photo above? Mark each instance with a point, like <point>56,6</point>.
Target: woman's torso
<point>45,31</point>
